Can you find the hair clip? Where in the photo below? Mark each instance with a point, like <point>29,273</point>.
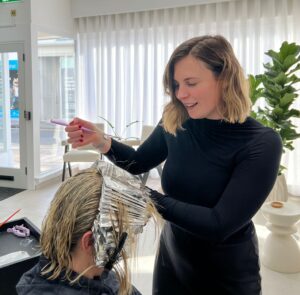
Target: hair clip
<point>115,255</point>
<point>19,231</point>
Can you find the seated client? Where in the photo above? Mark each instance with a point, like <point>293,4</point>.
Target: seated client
<point>68,261</point>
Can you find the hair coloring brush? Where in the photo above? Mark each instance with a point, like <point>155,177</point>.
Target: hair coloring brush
<point>63,123</point>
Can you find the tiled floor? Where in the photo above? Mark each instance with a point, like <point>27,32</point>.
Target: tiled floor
<point>34,205</point>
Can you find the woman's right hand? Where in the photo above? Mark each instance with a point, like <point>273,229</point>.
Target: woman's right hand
<point>78,135</point>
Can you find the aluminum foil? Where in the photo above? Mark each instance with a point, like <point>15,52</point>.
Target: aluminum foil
<point>119,187</point>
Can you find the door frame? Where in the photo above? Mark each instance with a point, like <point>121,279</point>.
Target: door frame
<point>18,176</point>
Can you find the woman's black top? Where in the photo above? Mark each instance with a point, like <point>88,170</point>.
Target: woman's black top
<point>215,177</point>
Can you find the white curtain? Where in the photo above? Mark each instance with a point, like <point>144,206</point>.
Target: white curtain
<point>121,58</point>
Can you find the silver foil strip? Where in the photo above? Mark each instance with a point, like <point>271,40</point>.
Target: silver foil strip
<point>119,188</point>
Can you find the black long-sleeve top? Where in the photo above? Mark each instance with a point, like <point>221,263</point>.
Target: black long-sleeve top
<point>216,174</point>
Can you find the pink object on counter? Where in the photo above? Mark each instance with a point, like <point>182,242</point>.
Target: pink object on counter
<point>19,231</point>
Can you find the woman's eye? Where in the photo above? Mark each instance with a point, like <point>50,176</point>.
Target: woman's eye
<point>191,84</point>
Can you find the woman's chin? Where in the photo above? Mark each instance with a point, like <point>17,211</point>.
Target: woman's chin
<point>193,115</point>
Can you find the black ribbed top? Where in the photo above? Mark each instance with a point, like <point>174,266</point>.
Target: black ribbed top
<point>215,177</point>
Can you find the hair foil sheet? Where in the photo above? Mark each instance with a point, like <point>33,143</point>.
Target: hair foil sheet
<point>122,209</point>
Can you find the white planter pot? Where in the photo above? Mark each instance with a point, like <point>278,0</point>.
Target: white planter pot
<point>279,191</point>
<point>281,251</point>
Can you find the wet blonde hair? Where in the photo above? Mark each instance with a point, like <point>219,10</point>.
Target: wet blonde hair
<point>71,214</point>
<point>218,56</point>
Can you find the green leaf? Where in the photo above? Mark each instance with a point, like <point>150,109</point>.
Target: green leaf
<point>271,86</point>
<point>277,90</point>
<point>294,113</point>
<point>278,65</point>
<point>274,55</point>
<point>280,79</point>
<point>287,89</point>
<point>281,169</point>
<point>277,111</point>
<point>289,134</point>
<point>268,66</point>
<point>254,92</point>
<point>272,73</point>
<point>287,49</point>
<point>295,69</point>
<point>293,79</point>
<point>287,99</point>
<point>288,62</point>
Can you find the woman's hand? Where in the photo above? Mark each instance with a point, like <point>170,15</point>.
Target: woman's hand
<point>81,133</point>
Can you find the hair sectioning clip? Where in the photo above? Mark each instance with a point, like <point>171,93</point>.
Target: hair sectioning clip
<point>115,255</point>
<point>19,231</point>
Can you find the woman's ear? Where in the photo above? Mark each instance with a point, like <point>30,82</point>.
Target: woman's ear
<point>87,241</point>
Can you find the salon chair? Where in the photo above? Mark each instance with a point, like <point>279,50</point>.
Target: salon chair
<point>146,131</point>
<point>83,154</point>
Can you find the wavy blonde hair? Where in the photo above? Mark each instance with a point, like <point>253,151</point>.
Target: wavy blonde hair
<point>217,54</point>
<point>71,214</point>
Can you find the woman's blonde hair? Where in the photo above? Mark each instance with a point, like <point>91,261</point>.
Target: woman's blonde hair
<point>71,214</point>
<point>217,53</point>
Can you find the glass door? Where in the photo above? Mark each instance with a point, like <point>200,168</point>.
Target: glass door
<point>13,169</point>
<point>56,72</point>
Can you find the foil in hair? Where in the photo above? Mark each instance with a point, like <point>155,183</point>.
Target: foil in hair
<point>119,188</point>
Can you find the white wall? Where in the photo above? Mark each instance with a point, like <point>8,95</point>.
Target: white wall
<point>53,17</point>
<point>81,8</point>
<point>22,17</point>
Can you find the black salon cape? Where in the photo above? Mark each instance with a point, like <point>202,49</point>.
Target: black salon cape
<point>32,283</point>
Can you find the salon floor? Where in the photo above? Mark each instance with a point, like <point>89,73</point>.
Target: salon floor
<point>34,205</point>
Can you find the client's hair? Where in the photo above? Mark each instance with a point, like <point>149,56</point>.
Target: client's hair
<point>71,214</point>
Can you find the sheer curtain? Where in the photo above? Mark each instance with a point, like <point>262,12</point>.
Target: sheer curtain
<point>121,58</point>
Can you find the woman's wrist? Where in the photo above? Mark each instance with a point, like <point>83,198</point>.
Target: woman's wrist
<point>104,144</point>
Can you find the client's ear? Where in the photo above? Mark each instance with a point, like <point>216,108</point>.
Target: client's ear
<point>87,241</point>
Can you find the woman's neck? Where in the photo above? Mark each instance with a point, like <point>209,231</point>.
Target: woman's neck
<point>81,263</point>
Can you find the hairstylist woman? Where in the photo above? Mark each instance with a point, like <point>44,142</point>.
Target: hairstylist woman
<point>220,165</point>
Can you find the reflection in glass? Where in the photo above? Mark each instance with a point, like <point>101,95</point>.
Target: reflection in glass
<point>9,110</point>
<point>57,96</point>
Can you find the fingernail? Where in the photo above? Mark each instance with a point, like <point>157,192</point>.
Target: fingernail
<point>81,135</point>
<point>81,140</point>
<point>79,126</point>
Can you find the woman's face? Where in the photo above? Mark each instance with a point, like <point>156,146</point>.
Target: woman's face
<point>197,88</point>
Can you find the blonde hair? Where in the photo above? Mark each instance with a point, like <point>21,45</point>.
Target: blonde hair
<point>71,214</point>
<point>217,54</point>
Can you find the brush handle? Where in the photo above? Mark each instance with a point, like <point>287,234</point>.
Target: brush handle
<point>8,218</point>
<point>64,123</point>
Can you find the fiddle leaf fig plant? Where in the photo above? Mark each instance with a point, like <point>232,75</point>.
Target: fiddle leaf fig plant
<point>277,86</point>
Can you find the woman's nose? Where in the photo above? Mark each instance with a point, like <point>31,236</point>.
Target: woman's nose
<point>181,92</point>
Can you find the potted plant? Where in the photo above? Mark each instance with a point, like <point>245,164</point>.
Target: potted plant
<point>277,88</point>
<point>119,136</point>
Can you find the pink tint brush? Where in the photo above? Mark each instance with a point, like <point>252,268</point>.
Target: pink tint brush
<point>63,123</point>
<point>8,218</point>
